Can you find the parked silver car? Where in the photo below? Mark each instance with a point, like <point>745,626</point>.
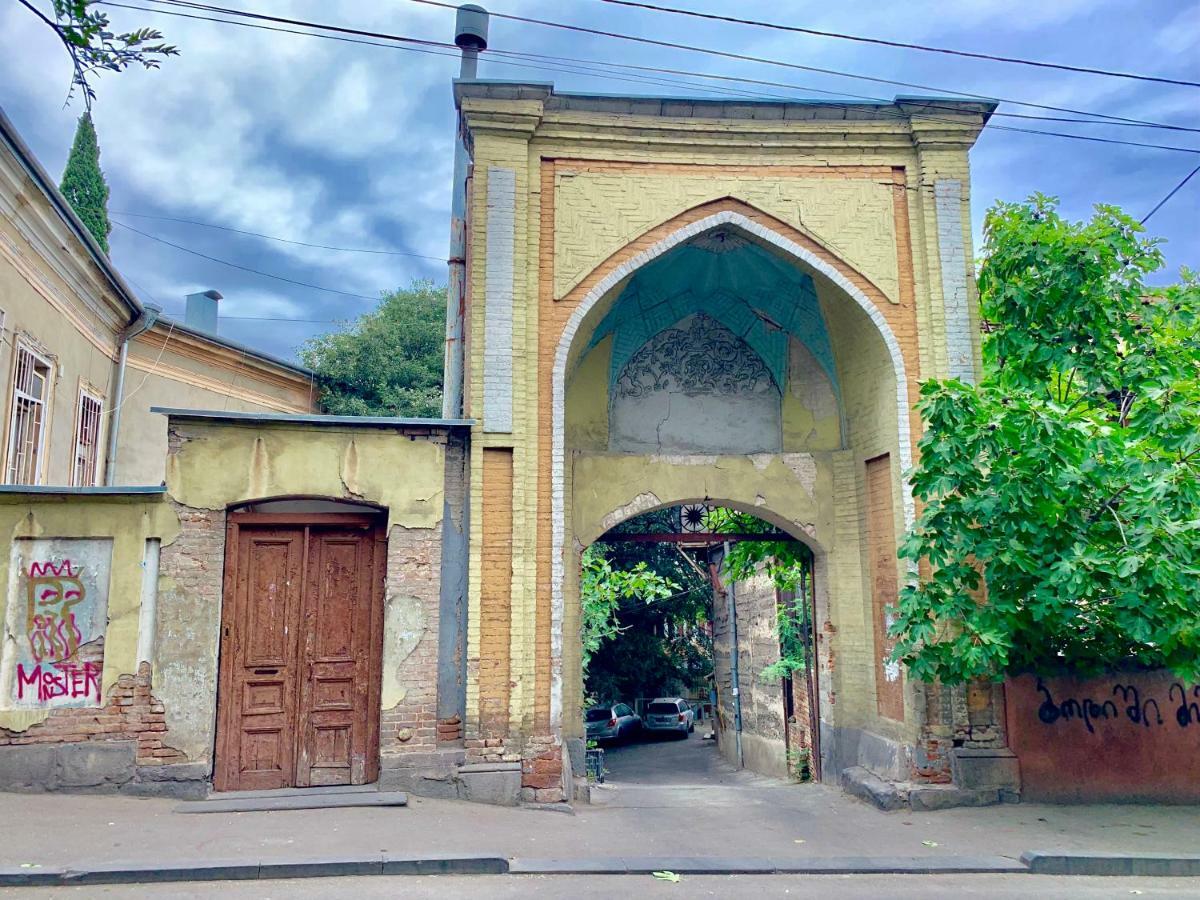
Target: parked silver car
<point>612,723</point>
<point>670,714</point>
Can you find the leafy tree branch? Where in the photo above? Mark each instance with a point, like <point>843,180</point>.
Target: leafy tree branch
<point>94,48</point>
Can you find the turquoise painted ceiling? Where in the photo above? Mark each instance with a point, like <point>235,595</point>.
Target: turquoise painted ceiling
<point>759,297</point>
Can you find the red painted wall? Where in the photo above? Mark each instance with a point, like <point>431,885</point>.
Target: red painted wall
<point>1125,737</point>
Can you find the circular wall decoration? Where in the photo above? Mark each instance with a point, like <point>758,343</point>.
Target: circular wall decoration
<point>692,517</point>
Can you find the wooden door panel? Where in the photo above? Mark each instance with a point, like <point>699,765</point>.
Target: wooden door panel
<point>259,661</point>
<point>334,711</point>
<point>268,602</point>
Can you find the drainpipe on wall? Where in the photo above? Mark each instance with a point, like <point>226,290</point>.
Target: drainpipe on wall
<point>470,34</point>
<point>144,322</point>
<point>731,599</point>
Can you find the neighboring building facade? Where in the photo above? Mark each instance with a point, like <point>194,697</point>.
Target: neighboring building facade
<point>64,314</point>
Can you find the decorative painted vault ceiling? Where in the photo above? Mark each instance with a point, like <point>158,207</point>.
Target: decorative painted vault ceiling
<point>759,297</point>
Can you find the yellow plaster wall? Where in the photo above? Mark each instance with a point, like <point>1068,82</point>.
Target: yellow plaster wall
<point>129,522</point>
<point>221,465</point>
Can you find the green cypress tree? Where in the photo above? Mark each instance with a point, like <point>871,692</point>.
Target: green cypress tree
<point>83,182</point>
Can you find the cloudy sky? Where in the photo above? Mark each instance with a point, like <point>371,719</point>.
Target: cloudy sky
<point>349,145</point>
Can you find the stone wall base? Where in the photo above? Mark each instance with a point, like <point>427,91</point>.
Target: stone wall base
<point>97,767</point>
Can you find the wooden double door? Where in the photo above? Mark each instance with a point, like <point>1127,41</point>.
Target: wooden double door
<point>301,644</point>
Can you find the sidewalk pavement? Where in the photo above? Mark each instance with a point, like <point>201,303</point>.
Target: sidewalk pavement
<point>756,824</point>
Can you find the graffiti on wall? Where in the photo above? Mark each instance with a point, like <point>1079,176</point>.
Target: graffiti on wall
<point>1124,702</point>
<point>53,647</point>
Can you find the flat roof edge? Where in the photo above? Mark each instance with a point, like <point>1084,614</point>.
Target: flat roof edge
<point>133,490</point>
<point>304,419</point>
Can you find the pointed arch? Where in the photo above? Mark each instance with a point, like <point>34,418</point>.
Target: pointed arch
<point>844,276</point>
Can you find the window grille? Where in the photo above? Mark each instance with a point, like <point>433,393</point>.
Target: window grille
<point>27,427</point>
<point>87,440</point>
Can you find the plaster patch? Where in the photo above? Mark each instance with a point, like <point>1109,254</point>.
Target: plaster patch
<point>404,624</point>
<point>259,470</point>
<point>804,467</point>
<point>760,500</point>
<point>960,354</point>
<point>682,459</point>
<point>761,460</point>
<point>639,504</point>
<point>498,300</point>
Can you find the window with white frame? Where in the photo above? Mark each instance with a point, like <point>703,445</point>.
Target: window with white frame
<point>86,470</point>
<point>27,424</point>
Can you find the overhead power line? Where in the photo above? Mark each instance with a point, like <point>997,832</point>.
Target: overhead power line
<point>989,57</point>
<point>192,4</point>
<point>725,54</point>
<point>429,45</point>
<point>1175,190</point>
<point>792,86</point>
<point>233,265</point>
<point>270,237</point>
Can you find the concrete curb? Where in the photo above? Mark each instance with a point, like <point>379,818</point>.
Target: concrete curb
<point>1034,862</point>
<point>250,870</point>
<point>721,865</point>
<point>1052,862</point>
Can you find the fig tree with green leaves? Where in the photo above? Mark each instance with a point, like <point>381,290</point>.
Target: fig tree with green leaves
<point>1059,499</point>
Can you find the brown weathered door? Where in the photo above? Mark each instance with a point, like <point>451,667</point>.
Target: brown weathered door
<point>300,648</point>
<point>338,589</point>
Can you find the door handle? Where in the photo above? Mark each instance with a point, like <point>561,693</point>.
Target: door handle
<point>274,671</point>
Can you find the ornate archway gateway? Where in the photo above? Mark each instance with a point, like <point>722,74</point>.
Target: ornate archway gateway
<point>673,300</point>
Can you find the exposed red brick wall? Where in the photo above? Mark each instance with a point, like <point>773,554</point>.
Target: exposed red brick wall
<point>414,558</point>
<point>495,595</point>
<point>542,771</point>
<point>131,713</point>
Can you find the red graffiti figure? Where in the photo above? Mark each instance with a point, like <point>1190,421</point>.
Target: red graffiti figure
<point>53,590</point>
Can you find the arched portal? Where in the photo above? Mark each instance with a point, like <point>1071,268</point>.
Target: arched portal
<point>808,329</point>
<point>770,745</point>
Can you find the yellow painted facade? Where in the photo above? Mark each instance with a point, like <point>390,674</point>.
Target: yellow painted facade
<point>602,184</point>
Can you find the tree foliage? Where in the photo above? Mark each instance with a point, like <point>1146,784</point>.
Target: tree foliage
<point>1060,504</point>
<point>83,182</point>
<point>658,647</point>
<point>387,362</point>
<point>95,48</point>
<point>603,587</point>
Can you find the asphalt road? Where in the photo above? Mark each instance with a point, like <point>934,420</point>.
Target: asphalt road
<point>583,887</point>
<point>667,759</point>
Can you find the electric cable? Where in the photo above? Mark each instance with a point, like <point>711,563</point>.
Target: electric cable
<point>233,265</point>
<point>930,103</point>
<point>1175,190</point>
<point>925,48</point>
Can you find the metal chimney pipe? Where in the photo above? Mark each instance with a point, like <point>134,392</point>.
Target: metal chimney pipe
<point>470,34</point>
